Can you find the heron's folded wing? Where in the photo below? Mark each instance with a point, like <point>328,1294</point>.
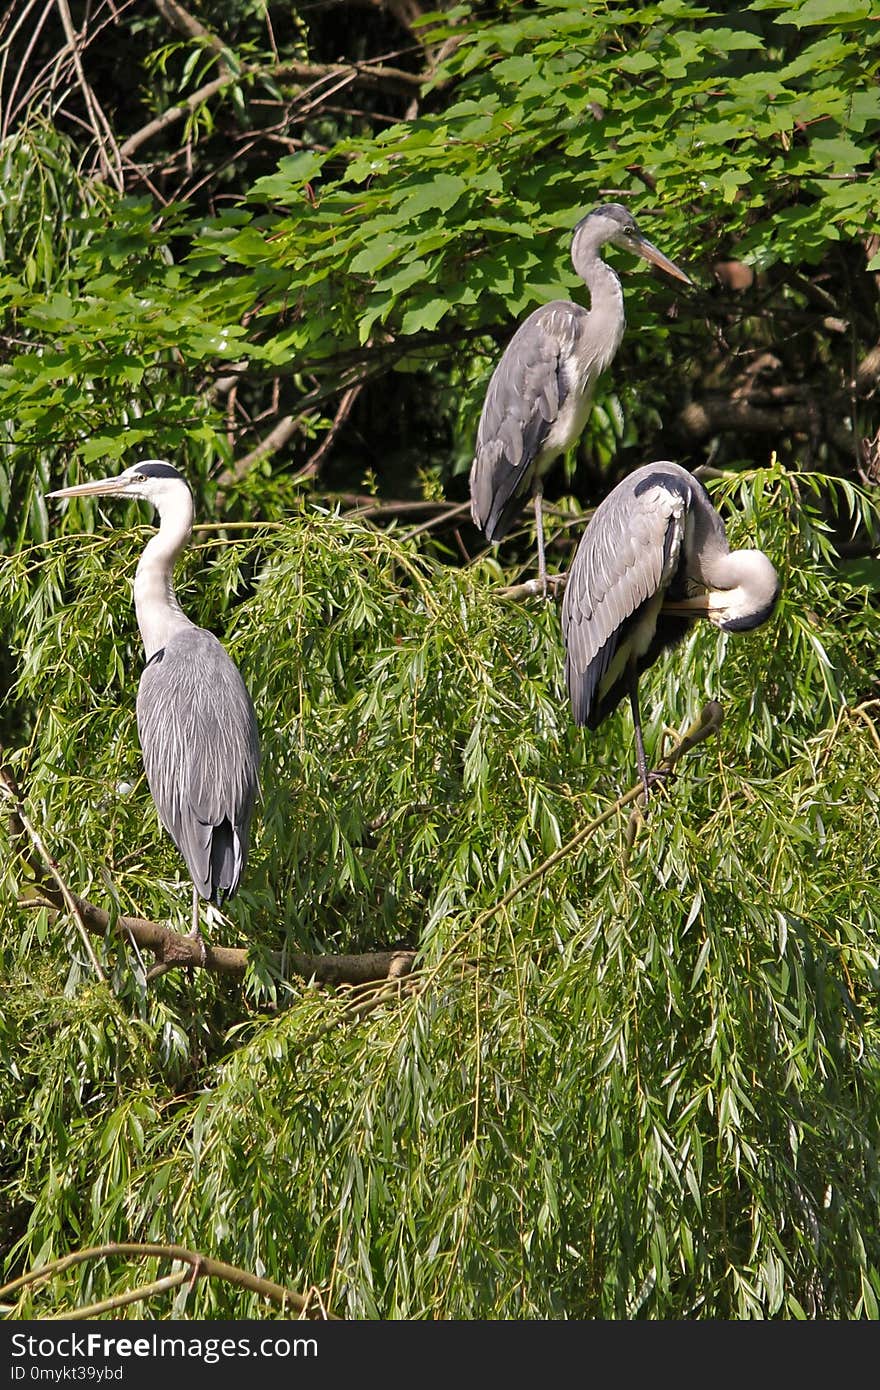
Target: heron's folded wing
<point>627,553</point>
<point>201,754</point>
<point>522,401</point>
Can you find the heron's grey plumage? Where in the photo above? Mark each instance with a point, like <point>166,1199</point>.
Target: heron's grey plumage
<point>201,754</point>
<point>196,720</point>
<point>541,392</point>
<point>654,556</point>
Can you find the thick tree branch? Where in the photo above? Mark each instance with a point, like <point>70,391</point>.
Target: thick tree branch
<point>169,947</point>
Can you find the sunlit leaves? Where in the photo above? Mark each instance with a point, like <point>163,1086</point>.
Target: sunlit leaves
<point>645,1086</point>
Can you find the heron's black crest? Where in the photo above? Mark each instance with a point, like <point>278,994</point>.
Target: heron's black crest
<point>157,470</point>
<point>666,479</point>
<point>752,620</point>
<point>156,657</point>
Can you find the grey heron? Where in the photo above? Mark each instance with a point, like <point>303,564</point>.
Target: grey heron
<point>654,556</point>
<point>539,396</point>
<point>195,717</point>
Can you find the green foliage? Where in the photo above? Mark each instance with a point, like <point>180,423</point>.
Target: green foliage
<point>755,131</point>
<point>632,1081</point>
<point>634,1086</point>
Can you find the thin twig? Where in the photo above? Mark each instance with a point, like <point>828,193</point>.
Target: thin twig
<point>274,440</point>
<point>101,127</point>
<point>310,468</point>
<point>458,510</point>
<point>122,1300</point>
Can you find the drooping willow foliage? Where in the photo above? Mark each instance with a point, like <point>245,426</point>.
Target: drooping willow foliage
<point>640,1083</point>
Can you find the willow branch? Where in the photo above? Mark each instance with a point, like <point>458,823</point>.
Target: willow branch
<point>708,723</point>
<point>533,588</point>
<point>170,948</point>
<point>9,790</point>
<point>202,1266</point>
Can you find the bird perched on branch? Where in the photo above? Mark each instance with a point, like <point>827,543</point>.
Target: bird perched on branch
<point>540,394</point>
<point>654,557</point>
<point>196,720</point>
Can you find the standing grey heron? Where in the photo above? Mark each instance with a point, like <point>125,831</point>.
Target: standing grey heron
<point>654,556</point>
<point>540,394</point>
<point>196,720</point>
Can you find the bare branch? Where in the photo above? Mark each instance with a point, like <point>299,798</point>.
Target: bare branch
<point>185,23</point>
<point>101,127</point>
<point>173,115</point>
<point>310,468</point>
<point>202,1266</point>
<point>274,440</point>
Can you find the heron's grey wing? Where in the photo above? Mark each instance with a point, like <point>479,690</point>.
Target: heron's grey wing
<point>201,752</point>
<point>523,400</point>
<point>627,555</point>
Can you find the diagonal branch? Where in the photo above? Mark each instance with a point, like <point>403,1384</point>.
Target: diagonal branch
<point>9,790</point>
<point>101,128</point>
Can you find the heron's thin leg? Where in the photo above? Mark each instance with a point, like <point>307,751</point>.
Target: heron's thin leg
<point>641,760</point>
<point>195,932</point>
<point>195,925</point>
<point>538,492</point>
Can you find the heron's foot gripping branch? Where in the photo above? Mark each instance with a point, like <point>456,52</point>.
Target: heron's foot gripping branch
<point>707,724</point>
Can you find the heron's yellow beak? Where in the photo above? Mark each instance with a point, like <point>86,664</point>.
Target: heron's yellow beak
<point>98,487</point>
<point>648,251</point>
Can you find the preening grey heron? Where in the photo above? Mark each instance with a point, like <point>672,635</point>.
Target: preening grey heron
<point>654,556</point>
<point>539,397</point>
<point>196,720</point>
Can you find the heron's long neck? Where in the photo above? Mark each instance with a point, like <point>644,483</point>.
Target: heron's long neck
<point>159,615</point>
<point>606,321</point>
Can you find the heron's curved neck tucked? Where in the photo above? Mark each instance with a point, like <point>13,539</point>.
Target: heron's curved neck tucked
<point>159,615</point>
<point>743,586</point>
<point>606,320</point>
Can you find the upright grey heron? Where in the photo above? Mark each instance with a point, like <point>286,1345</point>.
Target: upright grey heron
<point>540,393</point>
<point>196,720</point>
<point>654,556</point>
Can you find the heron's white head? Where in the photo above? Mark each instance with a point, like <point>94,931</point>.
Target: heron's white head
<point>612,222</point>
<point>752,599</point>
<point>152,480</point>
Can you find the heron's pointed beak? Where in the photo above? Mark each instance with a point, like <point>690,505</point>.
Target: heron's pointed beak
<point>700,606</point>
<point>648,251</point>
<point>98,487</point>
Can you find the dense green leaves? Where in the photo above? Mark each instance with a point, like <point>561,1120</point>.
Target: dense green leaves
<point>632,1079</point>
<point>642,1086</point>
